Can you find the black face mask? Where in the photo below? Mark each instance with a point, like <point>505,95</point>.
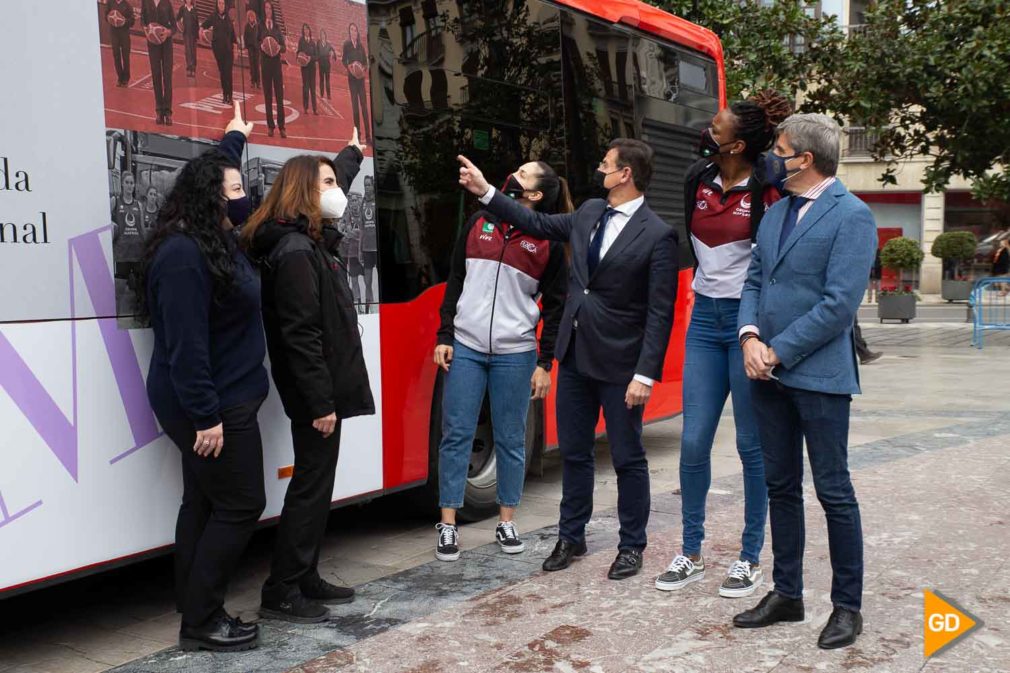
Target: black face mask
<point>513,188</point>
<point>709,146</point>
<point>599,178</point>
<point>239,210</point>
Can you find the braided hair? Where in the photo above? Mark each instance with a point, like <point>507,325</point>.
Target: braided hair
<point>756,119</point>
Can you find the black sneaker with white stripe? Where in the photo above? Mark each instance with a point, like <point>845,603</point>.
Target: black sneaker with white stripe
<point>447,546</point>
<point>508,538</point>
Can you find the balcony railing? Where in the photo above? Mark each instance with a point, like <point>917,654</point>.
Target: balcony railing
<point>861,141</point>
<point>428,48</point>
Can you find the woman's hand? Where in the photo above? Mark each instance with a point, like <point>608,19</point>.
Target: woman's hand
<point>237,123</point>
<point>326,425</point>
<point>355,141</point>
<point>209,441</point>
<point>443,357</point>
<point>540,384</point>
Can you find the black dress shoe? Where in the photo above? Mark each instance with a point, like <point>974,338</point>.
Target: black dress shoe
<point>841,630</point>
<point>772,609</point>
<point>627,564</point>
<point>220,634</point>
<point>563,555</point>
<point>321,591</point>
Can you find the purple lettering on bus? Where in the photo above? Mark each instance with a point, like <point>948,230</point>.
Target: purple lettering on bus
<point>6,517</point>
<point>35,402</point>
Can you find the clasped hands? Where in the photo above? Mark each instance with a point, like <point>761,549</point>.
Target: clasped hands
<point>759,359</point>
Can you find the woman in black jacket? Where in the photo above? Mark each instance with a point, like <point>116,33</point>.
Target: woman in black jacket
<point>316,361</point>
<point>307,61</point>
<point>222,45</point>
<point>207,382</point>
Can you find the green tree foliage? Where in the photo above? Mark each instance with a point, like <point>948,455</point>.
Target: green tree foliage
<point>778,46</point>
<point>932,78</point>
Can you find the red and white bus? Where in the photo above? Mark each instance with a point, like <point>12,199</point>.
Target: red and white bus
<point>87,479</point>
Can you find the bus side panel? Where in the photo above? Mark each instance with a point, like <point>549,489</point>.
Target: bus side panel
<point>667,399</point>
<point>408,380</point>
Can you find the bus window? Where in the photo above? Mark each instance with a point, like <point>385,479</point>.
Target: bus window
<point>462,80</point>
<point>599,95</point>
<point>676,97</point>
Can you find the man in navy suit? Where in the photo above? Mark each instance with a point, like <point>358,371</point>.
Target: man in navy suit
<point>612,340</point>
<point>806,279</point>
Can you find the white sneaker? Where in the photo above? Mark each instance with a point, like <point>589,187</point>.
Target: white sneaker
<point>681,572</point>
<point>743,580</point>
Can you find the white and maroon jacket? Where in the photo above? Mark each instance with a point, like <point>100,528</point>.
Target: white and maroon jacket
<point>498,275</point>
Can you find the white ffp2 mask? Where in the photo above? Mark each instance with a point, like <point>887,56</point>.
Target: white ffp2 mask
<point>333,203</point>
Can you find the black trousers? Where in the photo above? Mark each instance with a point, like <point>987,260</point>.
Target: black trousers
<point>222,500</point>
<point>273,87</point>
<point>254,66</point>
<point>324,83</point>
<point>225,60</point>
<point>121,53</point>
<point>578,409</point>
<point>306,510</point>
<point>357,88</point>
<point>189,40</point>
<point>161,56</point>
<point>309,86</point>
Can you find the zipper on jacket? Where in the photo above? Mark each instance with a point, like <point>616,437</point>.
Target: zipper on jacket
<point>494,298</point>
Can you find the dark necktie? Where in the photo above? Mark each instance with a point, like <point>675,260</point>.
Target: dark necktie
<point>795,203</point>
<point>597,243</point>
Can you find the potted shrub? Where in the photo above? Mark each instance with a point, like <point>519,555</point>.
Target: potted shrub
<point>955,248</point>
<point>899,254</point>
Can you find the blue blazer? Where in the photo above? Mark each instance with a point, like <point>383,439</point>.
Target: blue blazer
<point>804,298</point>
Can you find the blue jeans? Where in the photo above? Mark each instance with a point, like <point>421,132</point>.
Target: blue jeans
<point>787,416</point>
<point>713,369</point>
<point>506,379</point>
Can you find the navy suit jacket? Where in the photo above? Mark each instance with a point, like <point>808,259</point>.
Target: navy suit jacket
<point>804,298</point>
<point>623,312</point>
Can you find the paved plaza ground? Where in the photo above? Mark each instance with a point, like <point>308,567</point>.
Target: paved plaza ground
<point>930,463</point>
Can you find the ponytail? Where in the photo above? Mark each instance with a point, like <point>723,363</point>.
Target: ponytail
<point>557,197</point>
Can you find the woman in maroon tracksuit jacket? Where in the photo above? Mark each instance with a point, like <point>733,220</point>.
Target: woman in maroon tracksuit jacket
<point>487,344</point>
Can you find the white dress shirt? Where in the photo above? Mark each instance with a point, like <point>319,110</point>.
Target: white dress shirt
<point>614,228</point>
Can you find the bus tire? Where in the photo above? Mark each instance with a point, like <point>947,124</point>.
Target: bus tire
<point>480,496</point>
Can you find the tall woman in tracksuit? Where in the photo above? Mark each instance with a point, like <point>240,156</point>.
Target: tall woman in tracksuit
<point>725,198</point>
<point>487,343</point>
<point>223,45</point>
<point>317,363</point>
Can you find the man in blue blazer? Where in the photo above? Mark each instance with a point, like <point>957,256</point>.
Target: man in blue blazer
<point>806,279</point>
<point>612,340</point>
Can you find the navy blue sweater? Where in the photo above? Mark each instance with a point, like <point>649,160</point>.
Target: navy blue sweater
<point>207,356</point>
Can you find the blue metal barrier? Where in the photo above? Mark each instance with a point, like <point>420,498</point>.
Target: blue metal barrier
<point>990,306</point>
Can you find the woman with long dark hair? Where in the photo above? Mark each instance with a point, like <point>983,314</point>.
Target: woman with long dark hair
<point>355,60</point>
<point>317,364</point>
<point>307,60</point>
<point>725,196</point>
<point>207,382</point>
<point>487,344</point>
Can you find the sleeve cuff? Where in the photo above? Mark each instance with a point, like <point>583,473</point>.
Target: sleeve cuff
<point>486,199</point>
<point>749,328</point>
<point>207,422</point>
<point>644,379</point>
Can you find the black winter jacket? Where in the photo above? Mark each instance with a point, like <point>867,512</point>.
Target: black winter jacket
<point>311,324</point>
